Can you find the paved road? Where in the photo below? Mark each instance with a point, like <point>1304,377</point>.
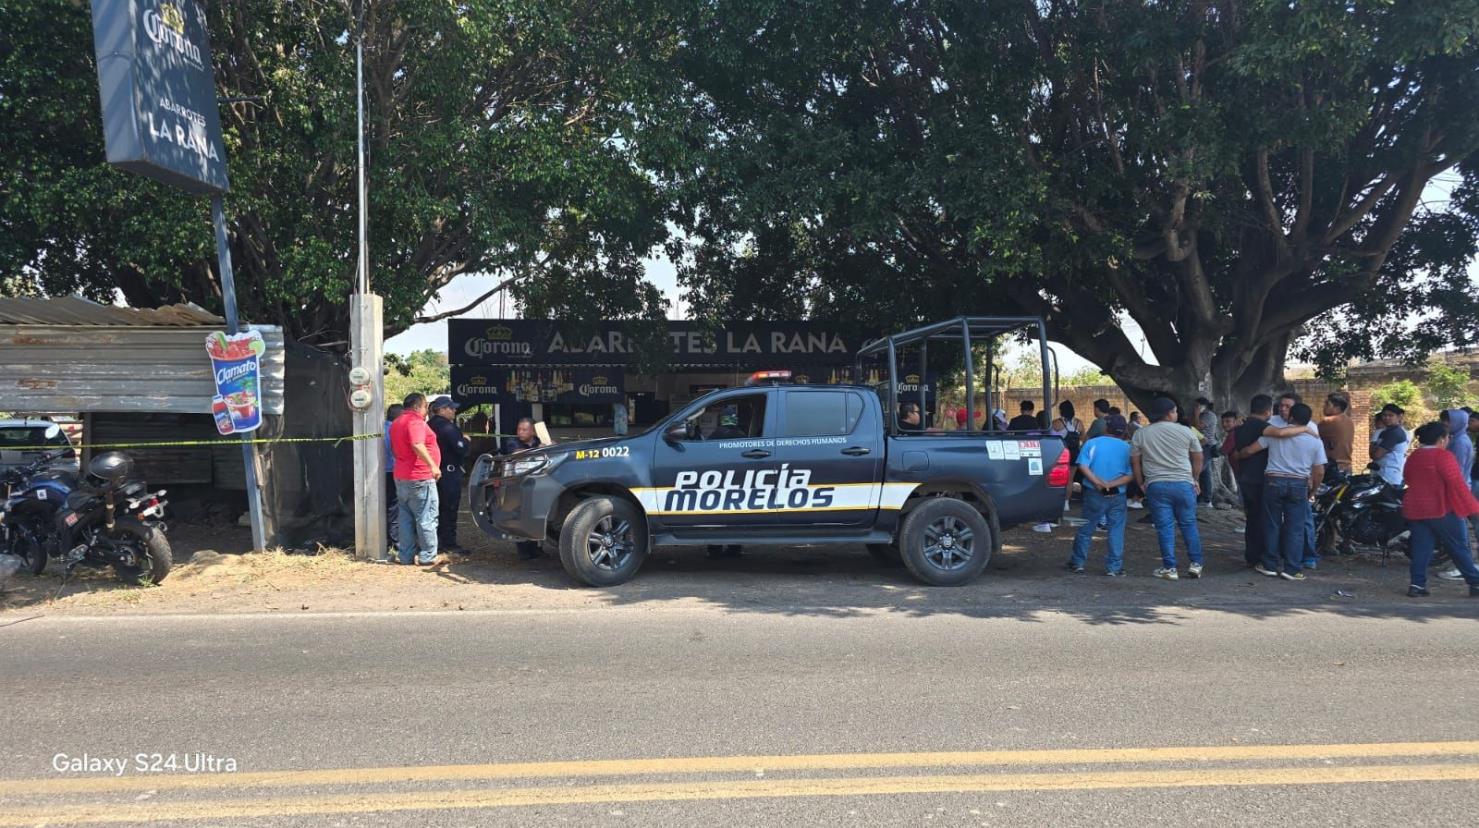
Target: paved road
<point>621,716</point>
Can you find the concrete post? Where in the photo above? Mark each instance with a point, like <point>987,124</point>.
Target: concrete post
<point>365,342</point>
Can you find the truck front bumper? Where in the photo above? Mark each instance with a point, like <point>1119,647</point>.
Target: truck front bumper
<point>510,508</point>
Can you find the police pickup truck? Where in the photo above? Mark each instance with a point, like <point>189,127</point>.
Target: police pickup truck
<point>781,464</point>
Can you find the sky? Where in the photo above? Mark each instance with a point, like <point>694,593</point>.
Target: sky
<point>660,272</point>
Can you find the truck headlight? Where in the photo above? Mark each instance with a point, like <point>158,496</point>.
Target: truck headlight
<point>537,465</point>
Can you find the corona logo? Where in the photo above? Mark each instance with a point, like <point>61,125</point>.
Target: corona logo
<point>500,333</point>
<point>166,28</point>
<point>599,381</point>
<point>478,380</point>
<point>912,379</point>
<point>171,16</point>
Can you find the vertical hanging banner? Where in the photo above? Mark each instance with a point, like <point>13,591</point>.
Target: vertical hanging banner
<point>160,116</point>
<point>236,363</point>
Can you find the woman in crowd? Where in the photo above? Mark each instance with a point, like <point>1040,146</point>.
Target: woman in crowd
<point>1435,505</point>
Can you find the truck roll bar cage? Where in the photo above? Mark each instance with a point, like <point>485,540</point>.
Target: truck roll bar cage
<point>962,329</point>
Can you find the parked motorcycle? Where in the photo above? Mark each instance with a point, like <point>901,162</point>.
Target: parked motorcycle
<point>106,519</point>
<point>32,495</point>
<point>1360,512</point>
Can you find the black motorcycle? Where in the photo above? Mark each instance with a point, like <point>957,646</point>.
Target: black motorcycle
<point>113,520</point>
<point>1360,512</point>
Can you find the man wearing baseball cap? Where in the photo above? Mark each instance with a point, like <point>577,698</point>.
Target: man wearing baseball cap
<point>1389,447</point>
<point>453,446</point>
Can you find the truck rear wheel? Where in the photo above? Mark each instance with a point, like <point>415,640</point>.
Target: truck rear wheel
<point>603,542</point>
<point>945,542</point>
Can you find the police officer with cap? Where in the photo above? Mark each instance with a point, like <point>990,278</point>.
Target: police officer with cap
<point>453,445</point>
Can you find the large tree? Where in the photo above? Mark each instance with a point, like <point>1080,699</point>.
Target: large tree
<point>496,142</point>
<point>1219,172</point>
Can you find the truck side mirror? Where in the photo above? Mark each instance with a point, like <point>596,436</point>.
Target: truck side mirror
<point>676,433</point>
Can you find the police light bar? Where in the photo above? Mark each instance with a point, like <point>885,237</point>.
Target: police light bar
<point>773,377</point>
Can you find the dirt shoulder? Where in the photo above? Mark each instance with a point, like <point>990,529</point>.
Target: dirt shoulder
<point>214,574</point>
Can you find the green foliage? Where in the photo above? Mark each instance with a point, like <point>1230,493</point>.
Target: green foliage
<point>1202,168</point>
<point>1408,396</point>
<point>1404,393</point>
<point>420,371</point>
<point>1448,385</point>
<point>1087,375</point>
<point>496,136</point>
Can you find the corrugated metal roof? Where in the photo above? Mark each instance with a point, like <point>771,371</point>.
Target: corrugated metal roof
<point>74,310</point>
<point>90,367</point>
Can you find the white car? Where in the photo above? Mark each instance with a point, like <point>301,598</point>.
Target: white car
<point>20,442</point>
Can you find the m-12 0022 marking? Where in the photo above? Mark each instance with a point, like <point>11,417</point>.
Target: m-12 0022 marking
<point>608,451</point>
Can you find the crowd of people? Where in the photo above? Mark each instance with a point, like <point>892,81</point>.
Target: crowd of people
<point>1280,454</point>
<point>426,454</point>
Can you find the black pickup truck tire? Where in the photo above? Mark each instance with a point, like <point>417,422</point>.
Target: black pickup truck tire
<point>945,542</point>
<point>603,542</point>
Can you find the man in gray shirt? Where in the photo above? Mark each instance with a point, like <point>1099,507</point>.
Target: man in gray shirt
<point>1296,465</point>
<point>1166,459</point>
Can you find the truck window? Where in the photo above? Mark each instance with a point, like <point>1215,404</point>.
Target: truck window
<point>736,418</point>
<point>822,413</point>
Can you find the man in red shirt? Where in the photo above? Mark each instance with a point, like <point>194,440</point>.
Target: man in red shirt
<point>418,465</point>
<point>1435,504</point>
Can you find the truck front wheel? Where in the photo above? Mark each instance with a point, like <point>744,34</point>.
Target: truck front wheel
<point>945,542</point>
<point>603,542</point>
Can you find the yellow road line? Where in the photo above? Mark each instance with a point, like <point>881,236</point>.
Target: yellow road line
<point>153,812</point>
<point>732,764</point>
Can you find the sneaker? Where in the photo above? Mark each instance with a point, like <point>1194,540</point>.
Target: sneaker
<point>1292,576</point>
<point>1043,528</point>
<point>1168,574</point>
<point>1118,573</point>
<point>1073,567</point>
<point>1134,504</point>
<point>1194,571</point>
<point>1310,564</point>
<point>1201,505</point>
<point>1451,574</point>
<point>1262,570</point>
<point>1416,591</point>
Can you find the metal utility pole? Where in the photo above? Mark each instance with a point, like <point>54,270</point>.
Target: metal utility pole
<point>228,295</point>
<point>365,350</point>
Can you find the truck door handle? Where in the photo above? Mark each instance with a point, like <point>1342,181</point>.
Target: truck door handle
<point>756,454</point>
<point>856,451</point>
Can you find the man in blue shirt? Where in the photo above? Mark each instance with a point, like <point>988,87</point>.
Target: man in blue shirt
<point>392,508</point>
<point>1105,463</point>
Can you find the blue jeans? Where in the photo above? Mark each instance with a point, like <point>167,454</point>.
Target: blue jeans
<point>1173,505</point>
<point>1450,531</point>
<point>1098,506</point>
<point>1286,520</point>
<point>418,519</point>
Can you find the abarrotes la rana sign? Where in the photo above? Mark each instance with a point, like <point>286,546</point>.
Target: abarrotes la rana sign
<point>160,116</point>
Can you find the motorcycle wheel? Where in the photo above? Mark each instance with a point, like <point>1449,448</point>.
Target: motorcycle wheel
<point>151,548</point>
<point>28,547</point>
